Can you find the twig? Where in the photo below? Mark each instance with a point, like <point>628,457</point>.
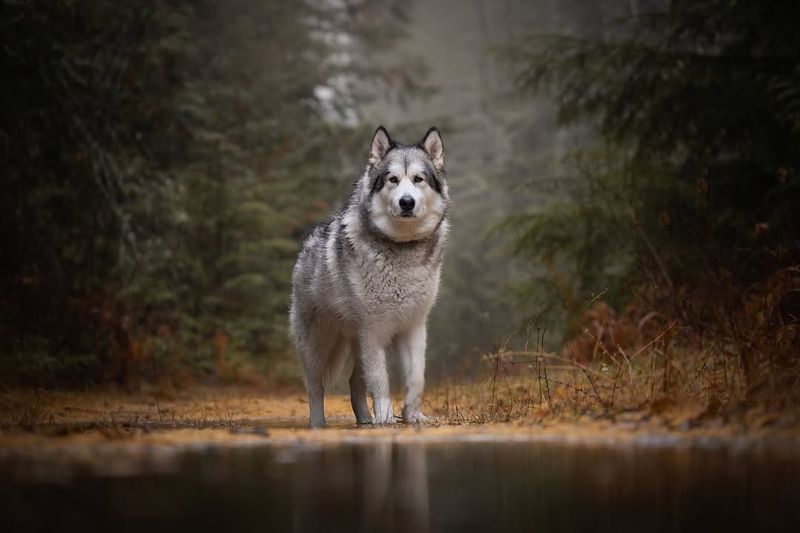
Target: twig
<point>591,382</point>
<point>547,387</point>
<point>539,380</point>
<point>494,381</point>
<point>614,388</point>
<point>656,338</point>
<point>653,251</point>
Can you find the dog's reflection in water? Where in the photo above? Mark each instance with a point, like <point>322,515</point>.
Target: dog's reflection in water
<point>373,487</point>
<point>395,488</point>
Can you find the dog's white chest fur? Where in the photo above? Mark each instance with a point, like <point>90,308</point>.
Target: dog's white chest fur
<point>390,280</point>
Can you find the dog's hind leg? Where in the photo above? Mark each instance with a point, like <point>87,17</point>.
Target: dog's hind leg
<point>328,351</point>
<point>316,402</point>
<point>358,389</point>
<point>315,388</point>
<point>314,365</point>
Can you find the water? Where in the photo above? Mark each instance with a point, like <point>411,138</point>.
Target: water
<point>386,486</point>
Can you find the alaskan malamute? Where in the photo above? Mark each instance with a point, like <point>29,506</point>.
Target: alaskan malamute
<point>365,280</point>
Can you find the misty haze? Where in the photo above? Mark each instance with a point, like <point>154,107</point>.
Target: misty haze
<point>520,265</point>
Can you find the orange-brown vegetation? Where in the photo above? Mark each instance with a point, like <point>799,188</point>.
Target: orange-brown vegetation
<point>719,353</point>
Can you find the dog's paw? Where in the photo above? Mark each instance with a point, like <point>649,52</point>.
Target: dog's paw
<point>416,418</point>
<point>360,422</point>
<point>388,422</point>
<point>381,421</point>
<point>383,412</point>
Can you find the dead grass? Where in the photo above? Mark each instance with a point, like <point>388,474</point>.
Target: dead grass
<point>658,381</point>
<point>643,390</point>
<point>194,407</point>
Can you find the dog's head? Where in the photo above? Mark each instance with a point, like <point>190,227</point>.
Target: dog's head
<point>406,191</point>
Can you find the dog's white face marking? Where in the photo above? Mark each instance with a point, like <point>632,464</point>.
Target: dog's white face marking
<point>404,184</point>
<point>407,208</point>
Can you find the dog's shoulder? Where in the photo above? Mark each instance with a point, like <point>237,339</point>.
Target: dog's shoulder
<point>317,233</point>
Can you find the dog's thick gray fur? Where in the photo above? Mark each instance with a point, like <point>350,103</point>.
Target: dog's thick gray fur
<point>365,280</point>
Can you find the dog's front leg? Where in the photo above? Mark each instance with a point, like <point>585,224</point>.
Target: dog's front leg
<point>358,388</point>
<point>376,376</point>
<point>411,349</point>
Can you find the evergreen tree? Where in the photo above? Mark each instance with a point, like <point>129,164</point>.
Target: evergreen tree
<point>695,175</point>
<point>161,162</point>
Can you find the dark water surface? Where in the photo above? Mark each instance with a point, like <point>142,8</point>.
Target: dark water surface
<point>422,487</point>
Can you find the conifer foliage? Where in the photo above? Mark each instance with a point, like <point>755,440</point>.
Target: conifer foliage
<point>695,172</point>
<point>160,161</point>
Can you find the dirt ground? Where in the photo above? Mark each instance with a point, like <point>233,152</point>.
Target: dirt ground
<point>116,432</point>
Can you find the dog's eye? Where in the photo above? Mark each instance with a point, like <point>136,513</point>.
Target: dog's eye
<point>418,179</point>
<point>393,179</point>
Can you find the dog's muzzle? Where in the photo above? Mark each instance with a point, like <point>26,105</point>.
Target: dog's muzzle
<point>406,206</point>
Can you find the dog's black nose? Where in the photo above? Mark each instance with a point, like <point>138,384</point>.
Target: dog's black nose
<point>406,203</point>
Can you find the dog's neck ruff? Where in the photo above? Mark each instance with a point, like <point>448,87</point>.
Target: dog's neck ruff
<point>374,230</point>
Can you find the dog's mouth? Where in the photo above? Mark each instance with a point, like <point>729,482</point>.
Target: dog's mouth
<point>407,214</point>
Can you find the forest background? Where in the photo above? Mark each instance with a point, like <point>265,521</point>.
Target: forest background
<point>624,176</point>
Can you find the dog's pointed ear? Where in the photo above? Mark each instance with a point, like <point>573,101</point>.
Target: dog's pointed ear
<point>381,144</point>
<point>434,147</point>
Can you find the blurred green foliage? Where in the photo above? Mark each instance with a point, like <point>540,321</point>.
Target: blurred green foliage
<point>161,161</point>
<point>693,179</point>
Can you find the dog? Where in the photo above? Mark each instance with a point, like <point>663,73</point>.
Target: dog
<point>365,280</point>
